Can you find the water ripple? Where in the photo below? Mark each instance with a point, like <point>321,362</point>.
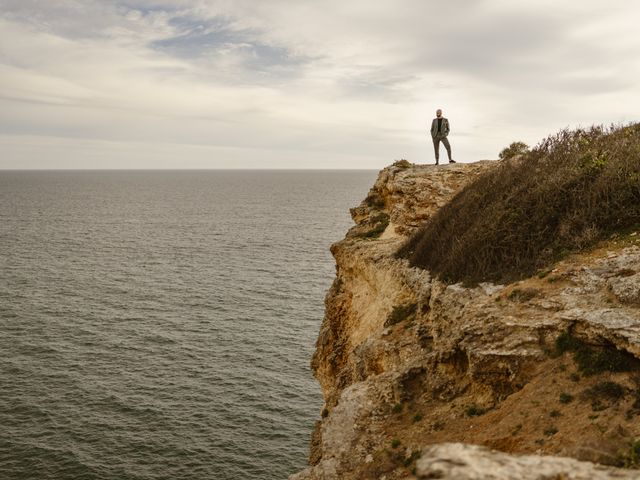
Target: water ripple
<point>159,325</point>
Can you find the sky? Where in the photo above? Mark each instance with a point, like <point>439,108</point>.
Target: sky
<point>96,84</point>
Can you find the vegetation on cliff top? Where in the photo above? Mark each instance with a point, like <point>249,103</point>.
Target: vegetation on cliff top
<point>516,148</point>
<point>576,187</point>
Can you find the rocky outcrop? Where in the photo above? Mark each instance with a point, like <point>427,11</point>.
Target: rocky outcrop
<point>407,363</point>
<point>456,461</point>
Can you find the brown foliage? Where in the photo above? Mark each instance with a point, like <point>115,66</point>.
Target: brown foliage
<point>574,188</point>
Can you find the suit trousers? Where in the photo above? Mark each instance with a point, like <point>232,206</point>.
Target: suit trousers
<point>436,146</point>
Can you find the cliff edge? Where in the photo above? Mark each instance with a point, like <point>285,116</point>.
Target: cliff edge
<point>421,379</point>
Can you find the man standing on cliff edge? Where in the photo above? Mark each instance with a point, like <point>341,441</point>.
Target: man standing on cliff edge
<point>439,132</point>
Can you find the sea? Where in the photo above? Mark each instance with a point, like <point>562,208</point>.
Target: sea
<point>160,324</point>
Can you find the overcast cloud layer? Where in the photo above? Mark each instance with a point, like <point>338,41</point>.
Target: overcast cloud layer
<point>303,83</point>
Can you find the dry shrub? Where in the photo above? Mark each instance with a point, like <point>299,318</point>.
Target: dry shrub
<point>574,188</point>
<point>516,148</point>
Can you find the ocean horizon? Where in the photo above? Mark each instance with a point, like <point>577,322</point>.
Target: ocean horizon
<point>160,323</point>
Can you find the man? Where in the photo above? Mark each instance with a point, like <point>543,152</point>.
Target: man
<point>439,132</point>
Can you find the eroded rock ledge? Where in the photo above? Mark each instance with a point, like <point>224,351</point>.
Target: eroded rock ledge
<point>407,363</point>
<point>471,462</point>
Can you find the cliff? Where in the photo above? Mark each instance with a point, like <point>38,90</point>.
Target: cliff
<point>428,380</point>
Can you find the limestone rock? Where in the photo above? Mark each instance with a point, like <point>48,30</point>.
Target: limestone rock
<point>627,288</point>
<point>456,461</point>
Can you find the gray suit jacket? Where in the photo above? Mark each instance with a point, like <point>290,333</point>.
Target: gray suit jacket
<point>445,128</point>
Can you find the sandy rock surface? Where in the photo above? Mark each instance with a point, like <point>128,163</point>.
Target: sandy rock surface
<point>456,461</point>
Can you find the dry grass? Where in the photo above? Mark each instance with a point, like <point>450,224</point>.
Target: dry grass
<point>575,188</point>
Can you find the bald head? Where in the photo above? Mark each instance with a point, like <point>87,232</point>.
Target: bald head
<point>438,113</point>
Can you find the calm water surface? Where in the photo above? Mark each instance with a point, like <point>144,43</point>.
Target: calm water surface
<point>160,324</point>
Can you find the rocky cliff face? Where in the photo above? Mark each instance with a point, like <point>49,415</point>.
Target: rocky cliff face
<point>545,366</point>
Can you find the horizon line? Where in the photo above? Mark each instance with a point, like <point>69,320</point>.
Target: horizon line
<point>182,169</point>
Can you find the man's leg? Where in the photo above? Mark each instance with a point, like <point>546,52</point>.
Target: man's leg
<point>436,147</point>
<point>445,140</point>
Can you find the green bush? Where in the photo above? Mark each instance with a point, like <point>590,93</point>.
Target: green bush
<point>475,411</point>
<point>567,343</point>
<point>573,189</point>
<point>516,148</point>
<point>400,313</point>
<point>565,398</point>
<point>605,390</point>
<point>631,457</point>
<point>593,359</point>
<point>374,200</point>
<point>379,224</point>
<point>402,163</point>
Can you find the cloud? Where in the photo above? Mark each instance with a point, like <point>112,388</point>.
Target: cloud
<point>328,79</point>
